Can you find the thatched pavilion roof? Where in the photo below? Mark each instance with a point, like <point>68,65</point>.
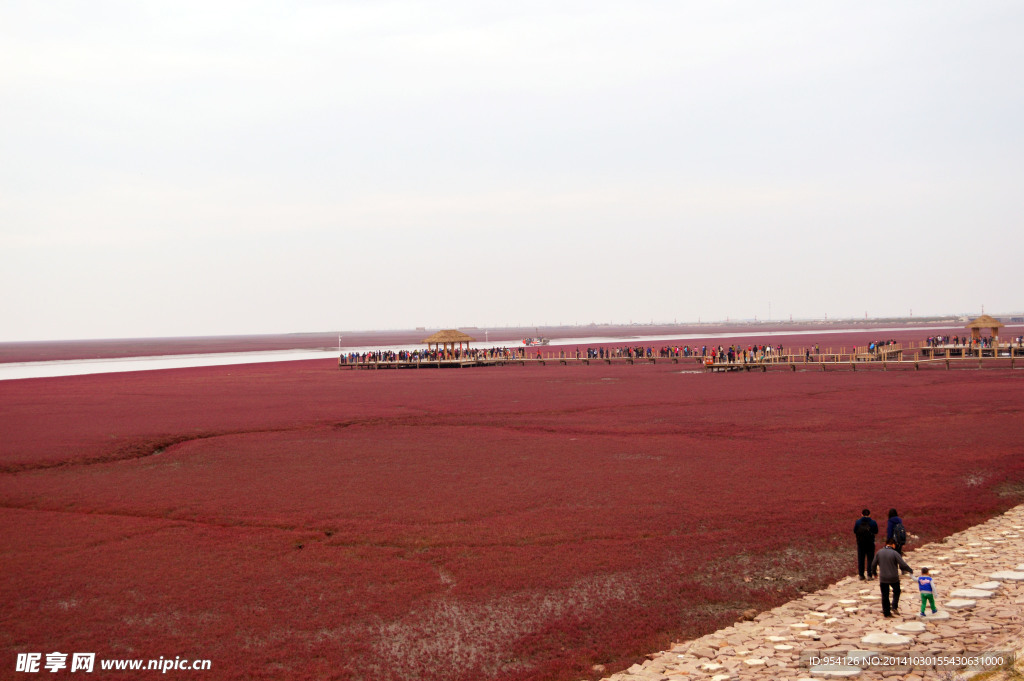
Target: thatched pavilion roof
<point>985,322</point>
<point>449,336</point>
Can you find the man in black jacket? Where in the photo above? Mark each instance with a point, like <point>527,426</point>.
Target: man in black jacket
<point>889,564</point>
<point>865,530</point>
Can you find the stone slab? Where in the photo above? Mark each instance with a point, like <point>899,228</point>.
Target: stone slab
<point>987,586</point>
<point>970,593</point>
<point>878,638</point>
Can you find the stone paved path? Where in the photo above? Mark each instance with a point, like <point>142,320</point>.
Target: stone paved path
<point>979,580</point>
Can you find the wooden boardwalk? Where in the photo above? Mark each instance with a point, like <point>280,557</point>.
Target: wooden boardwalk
<point>965,351</point>
<point>883,358</point>
<point>882,365</point>
<point>513,361</point>
<point>787,363</point>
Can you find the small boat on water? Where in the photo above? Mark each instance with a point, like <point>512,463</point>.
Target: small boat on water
<point>536,341</point>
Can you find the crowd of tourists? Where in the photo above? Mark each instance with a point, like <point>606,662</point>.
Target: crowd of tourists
<point>935,341</point>
<point>737,354</point>
<point>878,346</point>
<point>637,351</point>
<point>732,354</point>
<point>703,353</point>
<point>967,342</point>
<point>431,355</point>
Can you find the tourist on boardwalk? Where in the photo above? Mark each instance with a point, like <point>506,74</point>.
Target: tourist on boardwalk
<point>889,564</point>
<point>865,529</point>
<point>925,586</point>
<point>895,532</point>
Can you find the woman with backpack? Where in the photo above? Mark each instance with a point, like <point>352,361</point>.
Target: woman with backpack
<point>895,532</point>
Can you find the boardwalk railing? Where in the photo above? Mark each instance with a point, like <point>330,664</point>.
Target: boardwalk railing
<point>895,355</point>
<point>891,356</point>
<point>521,361</point>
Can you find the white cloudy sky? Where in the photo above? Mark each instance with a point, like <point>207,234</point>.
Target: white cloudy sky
<point>182,168</point>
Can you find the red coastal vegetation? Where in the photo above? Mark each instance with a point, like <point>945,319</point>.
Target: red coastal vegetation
<point>294,521</point>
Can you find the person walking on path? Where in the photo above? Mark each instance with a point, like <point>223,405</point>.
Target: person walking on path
<point>895,532</point>
<point>865,529</point>
<point>889,565</point>
<point>924,585</point>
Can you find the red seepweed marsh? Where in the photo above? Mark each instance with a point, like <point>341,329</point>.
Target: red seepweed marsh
<point>294,521</point>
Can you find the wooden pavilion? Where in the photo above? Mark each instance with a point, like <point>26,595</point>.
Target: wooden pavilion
<point>985,322</point>
<point>446,339</point>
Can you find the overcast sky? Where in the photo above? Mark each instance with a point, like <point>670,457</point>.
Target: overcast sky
<point>201,168</point>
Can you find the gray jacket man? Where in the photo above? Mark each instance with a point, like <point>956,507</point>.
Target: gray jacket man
<point>889,563</point>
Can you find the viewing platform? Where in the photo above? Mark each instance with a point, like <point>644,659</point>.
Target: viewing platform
<point>896,356</point>
<point>514,361</point>
<point>451,349</point>
<point>884,358</point>
<point>960,350</point>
